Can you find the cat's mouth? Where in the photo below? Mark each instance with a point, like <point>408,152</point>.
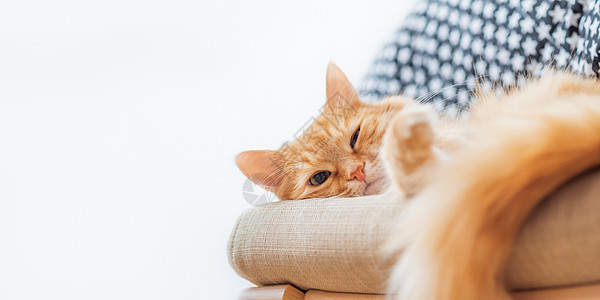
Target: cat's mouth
<point>376,181</point>
<point>367,185</point>
<point>373,187</point>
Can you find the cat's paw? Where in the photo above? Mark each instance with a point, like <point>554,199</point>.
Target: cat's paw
<point>408,148</point>
<point>411,134</point>
<point>415,126</point>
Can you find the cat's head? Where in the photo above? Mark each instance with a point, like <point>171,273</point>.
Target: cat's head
<point>337,155</point>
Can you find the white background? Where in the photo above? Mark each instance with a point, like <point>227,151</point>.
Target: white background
<point>119,122</point>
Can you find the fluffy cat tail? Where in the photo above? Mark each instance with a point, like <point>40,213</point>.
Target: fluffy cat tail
<point>457,234</point>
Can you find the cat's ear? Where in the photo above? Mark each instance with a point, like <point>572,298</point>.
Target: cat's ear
<point>262,167</point>
<point>339,89</point>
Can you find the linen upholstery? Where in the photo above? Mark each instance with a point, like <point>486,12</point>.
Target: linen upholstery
<point>334,244</point>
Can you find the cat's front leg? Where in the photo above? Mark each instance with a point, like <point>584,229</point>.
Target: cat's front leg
<point>408,147</point>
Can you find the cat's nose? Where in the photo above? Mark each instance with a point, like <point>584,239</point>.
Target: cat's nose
<point>358,174</point>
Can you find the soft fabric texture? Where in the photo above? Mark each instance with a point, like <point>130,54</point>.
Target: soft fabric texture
<point>334,244</point>
<point>445,46</point>
<point>455,237</point>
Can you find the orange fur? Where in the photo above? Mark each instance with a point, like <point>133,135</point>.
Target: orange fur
<point>458,231</point>
<point>324,146</point>
<point>474,181</point>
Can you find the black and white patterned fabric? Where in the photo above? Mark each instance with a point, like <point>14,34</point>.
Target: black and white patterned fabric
<point>446,47</point>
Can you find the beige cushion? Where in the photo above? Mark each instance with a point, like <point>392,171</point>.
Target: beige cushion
<point>333,244</point>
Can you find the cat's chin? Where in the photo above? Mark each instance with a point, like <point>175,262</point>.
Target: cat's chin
<point>375,187</point>
<point>376,180</point>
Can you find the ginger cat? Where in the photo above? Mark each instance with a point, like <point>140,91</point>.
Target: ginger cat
<point>338,155</point>
<point>457,232</point>
<point>470,183</point>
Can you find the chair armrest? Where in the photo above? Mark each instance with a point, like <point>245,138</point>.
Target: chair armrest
<point>333,244</point>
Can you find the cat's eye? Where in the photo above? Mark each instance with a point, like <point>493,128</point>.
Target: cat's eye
<point>318,178</point>
<point>354,138</point>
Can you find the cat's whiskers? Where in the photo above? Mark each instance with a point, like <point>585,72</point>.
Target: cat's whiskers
<point>428,96</point>
<point>455,96</point>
